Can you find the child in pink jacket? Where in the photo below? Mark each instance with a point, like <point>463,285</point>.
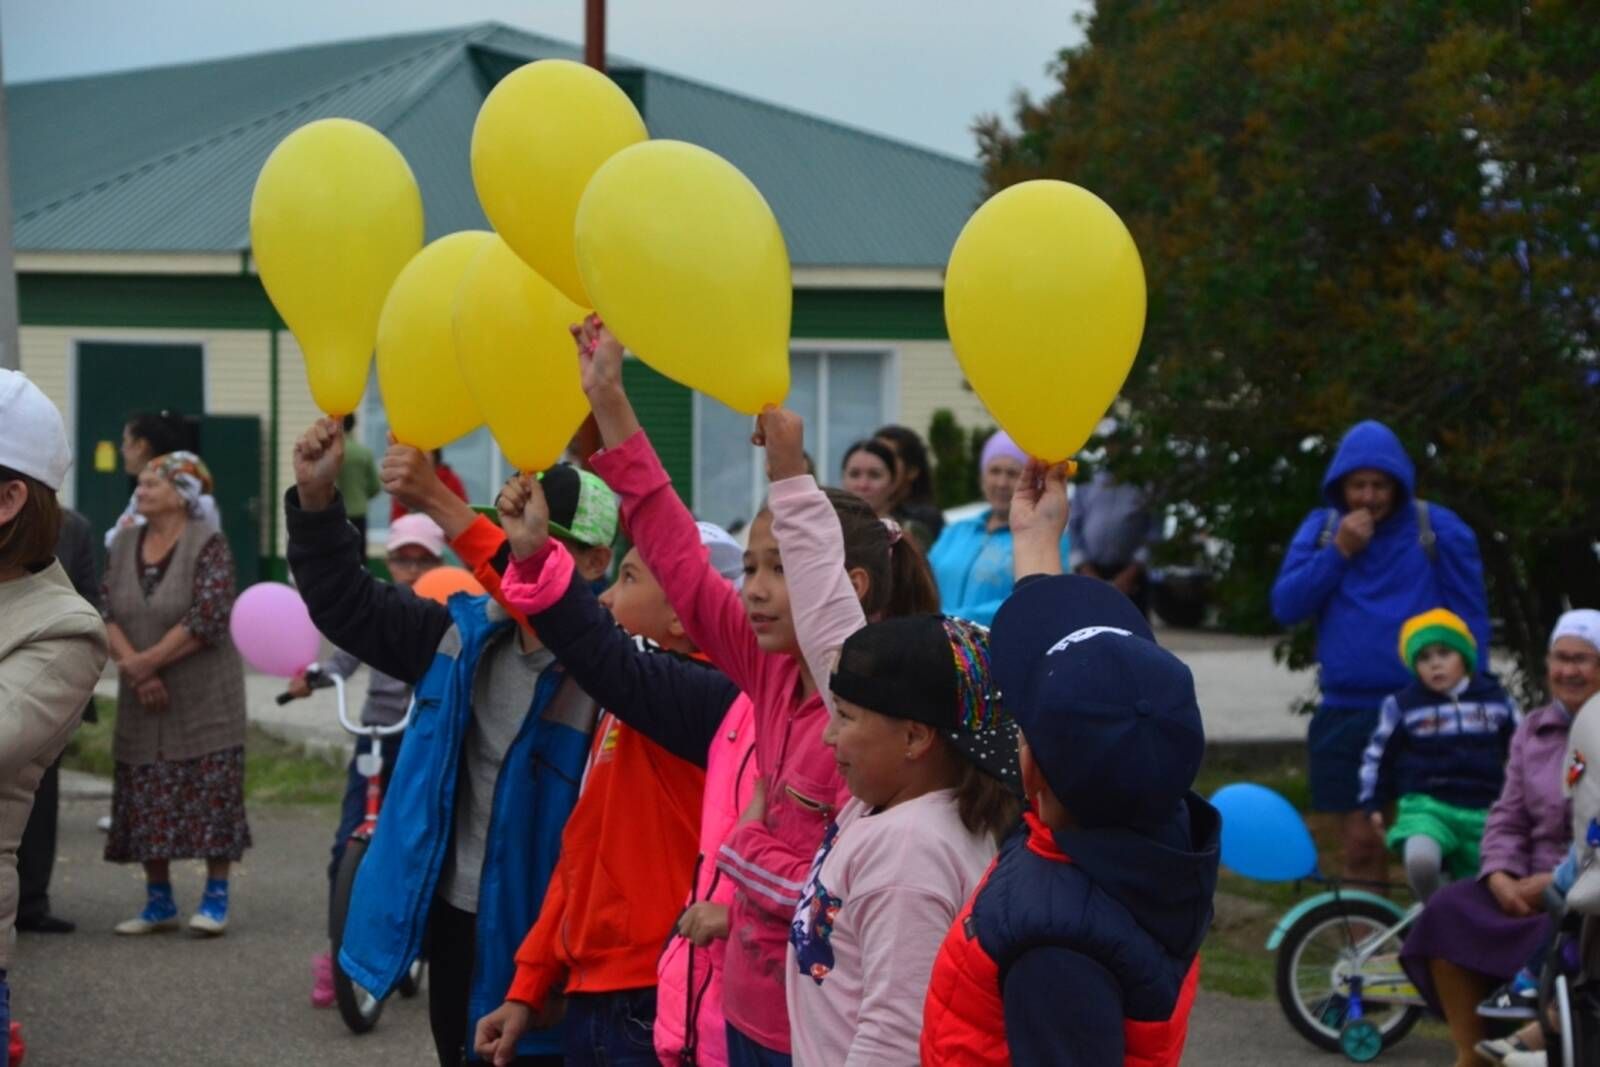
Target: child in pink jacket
<point>750,636</point>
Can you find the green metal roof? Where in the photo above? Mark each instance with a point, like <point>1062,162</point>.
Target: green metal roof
<point>164,160</point>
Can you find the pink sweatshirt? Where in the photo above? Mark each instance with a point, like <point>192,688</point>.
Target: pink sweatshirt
<point>884,887</point>
<point>770,858</point>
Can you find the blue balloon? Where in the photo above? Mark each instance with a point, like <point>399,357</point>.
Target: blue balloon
<point>1263,837</point>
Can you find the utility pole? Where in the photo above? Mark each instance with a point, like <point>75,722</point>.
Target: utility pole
<point>594,34</point>
<point>10,355</point>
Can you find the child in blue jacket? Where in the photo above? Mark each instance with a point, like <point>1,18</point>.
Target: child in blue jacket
<point>471,825</point>
<point>1440,748</point>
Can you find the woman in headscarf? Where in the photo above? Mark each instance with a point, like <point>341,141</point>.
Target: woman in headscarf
<point>178,789</point>
<point>972,559</point>
<point>52,645</point>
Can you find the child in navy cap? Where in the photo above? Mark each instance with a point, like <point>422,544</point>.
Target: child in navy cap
<point>1106,892</point>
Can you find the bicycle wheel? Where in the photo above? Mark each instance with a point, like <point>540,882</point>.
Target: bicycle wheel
<point>358,1008</point>
<point>411,982</point>
<point>1315,964</point>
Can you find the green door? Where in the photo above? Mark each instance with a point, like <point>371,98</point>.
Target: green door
<point>115,381</point>
<point>231,447</point>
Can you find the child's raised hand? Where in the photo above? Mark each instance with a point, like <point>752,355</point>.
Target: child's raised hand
<point>783,434</point>
<point>407,475</point>
<point>1039,503</point>
<point>524,515</point>
<point>599,356</point>
<point>317,457</point>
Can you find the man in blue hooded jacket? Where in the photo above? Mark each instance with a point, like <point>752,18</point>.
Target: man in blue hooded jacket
<point>1361,567</point>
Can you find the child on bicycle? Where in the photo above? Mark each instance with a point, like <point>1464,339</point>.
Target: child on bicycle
<point>414,547</point>
<point>1440,748</point>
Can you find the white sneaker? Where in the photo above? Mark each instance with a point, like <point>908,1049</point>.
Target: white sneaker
<point>139,926</point>
<point>1526,1059</point>
<point>205,925</point>
<point>104,822</point>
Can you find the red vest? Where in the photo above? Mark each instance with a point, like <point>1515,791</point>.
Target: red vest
<point>963,1023</point>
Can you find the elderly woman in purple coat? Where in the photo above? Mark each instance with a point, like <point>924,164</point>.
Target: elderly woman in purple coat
<point>1474,935</point>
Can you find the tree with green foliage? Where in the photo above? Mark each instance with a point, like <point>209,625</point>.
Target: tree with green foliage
<point>1379,209</point>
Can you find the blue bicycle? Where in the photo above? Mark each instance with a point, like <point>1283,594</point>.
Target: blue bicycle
<point>1339,980</point>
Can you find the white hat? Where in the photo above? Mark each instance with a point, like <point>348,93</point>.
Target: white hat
<point>727,558</point>
<point>1582,623</point>
<point>415,528</point>
<point>33,440</point>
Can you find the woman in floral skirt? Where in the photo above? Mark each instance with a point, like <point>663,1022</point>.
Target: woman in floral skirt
<point>178,790</point>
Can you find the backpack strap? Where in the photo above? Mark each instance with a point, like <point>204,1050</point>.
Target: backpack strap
<point>1425,534</point>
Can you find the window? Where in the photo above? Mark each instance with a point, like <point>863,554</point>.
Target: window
<point>843,395</point>
<point>475,458</point>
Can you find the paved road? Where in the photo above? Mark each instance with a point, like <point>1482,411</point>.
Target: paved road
<point>94,998</point>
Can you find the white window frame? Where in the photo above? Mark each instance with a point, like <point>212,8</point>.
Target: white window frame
<point>889,408</point>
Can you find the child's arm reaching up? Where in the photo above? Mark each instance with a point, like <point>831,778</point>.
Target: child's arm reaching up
<point>822,598</point>
<point>664,532</point>
<point>1039,514</point>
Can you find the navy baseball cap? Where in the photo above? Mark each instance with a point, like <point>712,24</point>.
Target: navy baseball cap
<point>1109,716</point>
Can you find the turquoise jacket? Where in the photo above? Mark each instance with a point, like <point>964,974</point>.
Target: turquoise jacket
<point>973,568</point>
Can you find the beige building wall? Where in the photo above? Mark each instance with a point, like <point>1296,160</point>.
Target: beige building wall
<point>930,379</point>
<point>237,371</point>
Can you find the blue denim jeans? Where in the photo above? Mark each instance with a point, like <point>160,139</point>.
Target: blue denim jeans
<point>611,1029</point>
<point>5,1021</point>
<point>746,1052</point>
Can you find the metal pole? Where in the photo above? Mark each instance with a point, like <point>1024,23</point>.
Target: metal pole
<point>594,34</point>
<point>10,355</point>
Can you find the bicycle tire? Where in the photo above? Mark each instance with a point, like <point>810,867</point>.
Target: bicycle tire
<point>1304,927</point>
<point>411,982</point>
<point>358,1008</point>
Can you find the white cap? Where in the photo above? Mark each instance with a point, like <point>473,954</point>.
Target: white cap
<point>727,558</point>
<point>415,528</point>
<point>33,440</point>
<point>1582,623</point>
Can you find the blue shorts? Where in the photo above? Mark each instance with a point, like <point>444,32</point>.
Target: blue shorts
<point>1334,744</point>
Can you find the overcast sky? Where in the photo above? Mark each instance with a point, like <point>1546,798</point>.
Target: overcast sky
<point>919,70</point>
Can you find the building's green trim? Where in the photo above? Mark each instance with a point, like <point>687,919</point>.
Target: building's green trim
<point>666,411</point>
<point>869,314</point>
<point>177,301</point>
<point>239,302</point>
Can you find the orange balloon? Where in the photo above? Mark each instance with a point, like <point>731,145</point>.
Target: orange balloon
<point>443,582</point>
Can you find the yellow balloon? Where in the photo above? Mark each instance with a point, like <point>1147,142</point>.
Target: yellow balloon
<point>540,136</point>
<point>517,356</point>
<point>424,393</point>
<point>685,263</point>
<point>335,215</point>
<point>1044,299</point>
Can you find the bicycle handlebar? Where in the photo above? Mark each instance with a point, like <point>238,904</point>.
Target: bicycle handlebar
<point>317,678</point>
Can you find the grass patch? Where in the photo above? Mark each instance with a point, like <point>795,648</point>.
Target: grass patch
<point>275,771</point>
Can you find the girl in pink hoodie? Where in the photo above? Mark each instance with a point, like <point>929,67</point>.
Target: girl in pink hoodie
<point>750,636</point>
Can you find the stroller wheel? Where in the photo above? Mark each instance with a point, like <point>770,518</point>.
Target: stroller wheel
<point>1360,1041</point>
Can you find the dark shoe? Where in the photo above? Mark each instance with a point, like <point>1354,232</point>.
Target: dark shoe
<point>1511,1001</point>
<point>45,924</point>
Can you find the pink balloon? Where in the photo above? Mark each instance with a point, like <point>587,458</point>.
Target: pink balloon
<point>273,630</point>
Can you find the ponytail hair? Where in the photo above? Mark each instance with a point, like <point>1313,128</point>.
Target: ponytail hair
<point>985,804</point>
<point>898,579</point>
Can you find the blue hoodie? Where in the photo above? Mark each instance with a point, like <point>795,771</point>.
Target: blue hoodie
<point>1360,603</point>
